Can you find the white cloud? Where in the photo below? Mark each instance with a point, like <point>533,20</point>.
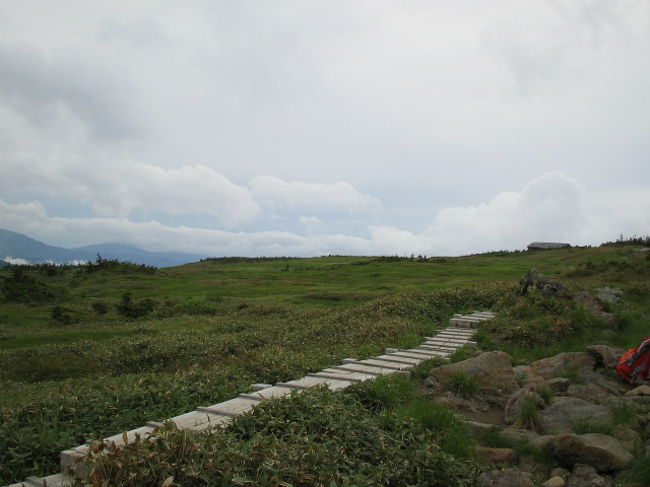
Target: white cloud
<point>15,260</point>
<point>553,206</point>
<point>338,197</point>
<point>117,188</point>
<point>187,190</point>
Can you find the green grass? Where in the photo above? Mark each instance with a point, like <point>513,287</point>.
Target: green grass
<point>219,325</point>
<point>399,394</point>
<point>638,472</point>
<point>463,353</point>
<point>462,384</point>
<point>527,412</point>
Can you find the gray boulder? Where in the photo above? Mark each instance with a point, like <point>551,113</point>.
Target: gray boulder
<point>516,435</point>
<point>591,393</point>
<point>480,430</point>
<point>608,294</point>
<point>643,390</point>
<point>534,278</point>
<point>562,416</point>
<point>630,439</point>
<point>559,384</point>
<point>591,304</point>
<point>563,363</point>
<point>555,481</point>
<point>604,355</point>
<point>586,476</point>
<point>492,370</point>
<point>613,387</point>
<point>602,452</point>
<point>504,478</point>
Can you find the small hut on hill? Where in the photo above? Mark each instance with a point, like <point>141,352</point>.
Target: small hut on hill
<point>547,245</point>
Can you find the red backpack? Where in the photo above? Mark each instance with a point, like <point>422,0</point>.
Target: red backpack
<point>635,363</point>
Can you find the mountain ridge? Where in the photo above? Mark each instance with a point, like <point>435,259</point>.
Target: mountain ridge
<point>19,246</point>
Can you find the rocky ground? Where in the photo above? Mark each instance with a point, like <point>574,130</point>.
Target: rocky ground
<point>566,420</point>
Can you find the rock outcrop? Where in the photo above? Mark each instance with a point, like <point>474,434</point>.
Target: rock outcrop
<point>492,370</point>
<point>504,478</point>
<point>567,363</point>
<point>534,278</point>
<point>563,416</point>
<point>604,453</point>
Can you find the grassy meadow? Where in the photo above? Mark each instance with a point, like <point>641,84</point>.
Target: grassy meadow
<point>93,350</point>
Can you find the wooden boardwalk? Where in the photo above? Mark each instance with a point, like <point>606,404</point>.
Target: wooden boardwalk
<point>458,333</point>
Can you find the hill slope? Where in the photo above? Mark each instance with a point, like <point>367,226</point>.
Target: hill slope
<point>17,245</point>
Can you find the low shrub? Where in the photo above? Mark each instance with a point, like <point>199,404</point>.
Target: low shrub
<point>22,287</point>
<point>317,438</point>
<point>463,353</point>
<point>62,315</point>
<point>132,309</point>
<point>100,307</point>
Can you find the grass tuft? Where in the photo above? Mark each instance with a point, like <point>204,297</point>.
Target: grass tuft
<point>462,384</point>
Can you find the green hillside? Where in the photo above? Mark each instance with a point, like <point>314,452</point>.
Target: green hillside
<point>93,350</point>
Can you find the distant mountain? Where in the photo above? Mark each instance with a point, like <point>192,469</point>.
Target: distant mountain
<point>139,256</point>
<point>18,246</point>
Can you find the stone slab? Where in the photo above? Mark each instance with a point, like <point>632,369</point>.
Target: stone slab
<point>368,369</point>
<point>325,375</point>
<point>450,336</point>
<point>465,324</point>
<point>142,432</point>
<point>233,407</point>
<point>448,347</point>
<point>349,375</point>
<point>57,480</point>
<point>457,336</point>
<point>418,356</point>
<point>439,353</point>
<point>391,357</point>
<point>72,456</point>
<point>386,365</point>
<point>445,342</point>
<point>197,420</point>
<point>458,331</point>
<point>259,386</point>
<point>444,348</point>
<point>309,382</point>
<point>428,352</point>
<point>270,393</point>
<point>454,342</point>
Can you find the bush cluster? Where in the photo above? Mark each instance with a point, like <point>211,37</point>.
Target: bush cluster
<point>22,287</point>
<point>317,438</point>
<point>134,309</point>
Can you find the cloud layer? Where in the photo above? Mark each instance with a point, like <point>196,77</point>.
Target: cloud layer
<point>550,207</point>
<point>303,128</point>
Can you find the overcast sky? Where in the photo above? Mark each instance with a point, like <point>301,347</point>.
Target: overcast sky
<point>325,127</point>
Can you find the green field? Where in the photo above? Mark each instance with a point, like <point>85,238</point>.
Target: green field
<point>78,363</point>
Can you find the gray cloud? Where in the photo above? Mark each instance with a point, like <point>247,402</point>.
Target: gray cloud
<point>40,88</point>
<point>351,122</point>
